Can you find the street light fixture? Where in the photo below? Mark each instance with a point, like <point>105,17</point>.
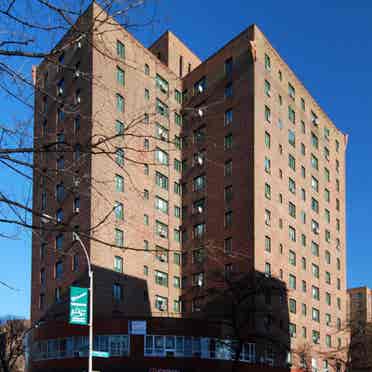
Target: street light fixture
<point>90,274</point>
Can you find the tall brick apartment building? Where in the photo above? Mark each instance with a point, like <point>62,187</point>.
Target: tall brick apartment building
<point>169,168</point>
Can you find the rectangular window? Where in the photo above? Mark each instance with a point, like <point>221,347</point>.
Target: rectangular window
<point>161,278</point>
<point>200,86</point>
<point>199,231</point>
<point>161,156</point>
<point>315,270</point>
<point>228,90</point>
<point>292,281</point>
<point>119,238</point>
<point>120,76</point>
<point>117,292</point>
<point>161,303</point>
<point>162,84</point>
<point>292,209</point>
<point>267,88</point>
<point>267,114</point>
<point>58,270</point>
<point>161,180</point>
<point>267,191</point>
<point>228,117</point>
<point>314,162</point>
<point>267,63</point>
<point>292,138</point>
<point>291,115</point>
<point>291,91</point>
<point>161,132</point>
<point>228,67</point>
<point>292,233</point>
<point>119,183</point>
<point>161,229</point>
<point>292,186</point>
<point>199,183</point>
<point>120,49</point>
<point>315,293</point>
<point>228,142</point>
<point>119,128</point>
<point>178,96</point>
<point>118,264</point>
<point>161,108</point>
<point>291,162</point>
<point>267,140</point>
<point>161,204</point>
<point>119,102</point>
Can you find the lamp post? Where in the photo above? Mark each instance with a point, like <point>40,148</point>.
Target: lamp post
<point>90,274</point>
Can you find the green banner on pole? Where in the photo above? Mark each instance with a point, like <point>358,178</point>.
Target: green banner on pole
<point>79,305</point>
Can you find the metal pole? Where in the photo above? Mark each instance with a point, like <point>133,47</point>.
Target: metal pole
<point>90,273</point>
<point>90,363</point>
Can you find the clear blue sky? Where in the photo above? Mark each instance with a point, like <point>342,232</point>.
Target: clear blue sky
<point>329,46</point>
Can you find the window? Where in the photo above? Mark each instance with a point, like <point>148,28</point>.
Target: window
<point>267,88</point>
<point>327,175</point>
<point>267,191</point>
<point>118,264</point>
<point>199,183</point>
<point>60,192</point>
<point>117,292</point>
<point>120,49</point>
<point>161,180</point>
<point>292,330</point>
<point>292,185</point>
<point>292,281</point>
<point>303,107</point>
<point>316,340</point>
<point>228,168</point>
<point>198,280</point>
<point>177,235</point>
<point>119,211</point>
<point>303,149</point>
<point>291,115</point>
<point>267,269</point>
<point>58,271</point>
<point>292,233</point>
<point>228,142</point>
<point>119,183</point>
<point>119,238</point>
<point>267,114</point>
<point>303,263</point>
<point>57,295</point>
<point>327,195</point>
<point>228,117</point>
<point>314,162</point>
<point>327,257</point>
<point>200,86</point>
<point>315,293</point>
<point>314,205</point>
<point>315,249</point>
<point>328,277</point>
<point>177,119</point>
<point>199,135</point>
<point>315,315</point>
<point>291,91</point>
<point>228,245</point>
<point>228,90</point>
<point>328,341</point>
<point>304,286</point>
<point>161,229</point>
<point>177,96</point>
<point>120,77</point>
<point>162,84</point>
<point>292,209</point>
<point>161,278</point>
<point>177,258</point>
<point>147,94</point>
<point>177,165</point>
<point>292,306</point>
<point>161,204</point>
<point>147,69</point>
<point>291,162</point>
<point>119,158</point>
<point>292,258</point>
<point>267,63</point>
<point>314,184</point>
<point>327,215</point>
<point>315,270</point>
<point>315,227</point>
<point>267,244</point>
<point>119,128</point>
<point>267,217</point>
<point>177,188</point>
<point>177,211</point>
<point>75,262</point>
<point>228,67</point>
<point>199,230</point>
<point>267,140</point>
<point>59,216</point>
<point>267,165</point>
<point>161,157</point>
<point>119,102</point>
<point>161,108</point>
<point>292,138</point>
<point>228,219</point>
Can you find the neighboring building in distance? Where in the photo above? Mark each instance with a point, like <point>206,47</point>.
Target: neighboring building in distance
<point>360,323</point>
<point>175,171</point>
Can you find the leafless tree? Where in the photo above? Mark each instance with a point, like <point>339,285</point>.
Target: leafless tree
<point>12,345</point>
<point>29,32</point>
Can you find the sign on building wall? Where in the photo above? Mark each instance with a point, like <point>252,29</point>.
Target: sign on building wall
<point>79,305</point>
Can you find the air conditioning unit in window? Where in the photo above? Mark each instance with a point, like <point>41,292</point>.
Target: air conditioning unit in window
<point>78,99</point>
<point>77,73</point>
<point>77,210</point>
<point>199,209</point>
<point>200,88</point>
<point>163,137</point>
<point>316,230</point>
<point>200,160</point>
<point>60,90</point>
<point>162,259</point>
<point>162,234</point>
<point>163,307</point>
<point>200,112</point>
<point>76,182</point>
